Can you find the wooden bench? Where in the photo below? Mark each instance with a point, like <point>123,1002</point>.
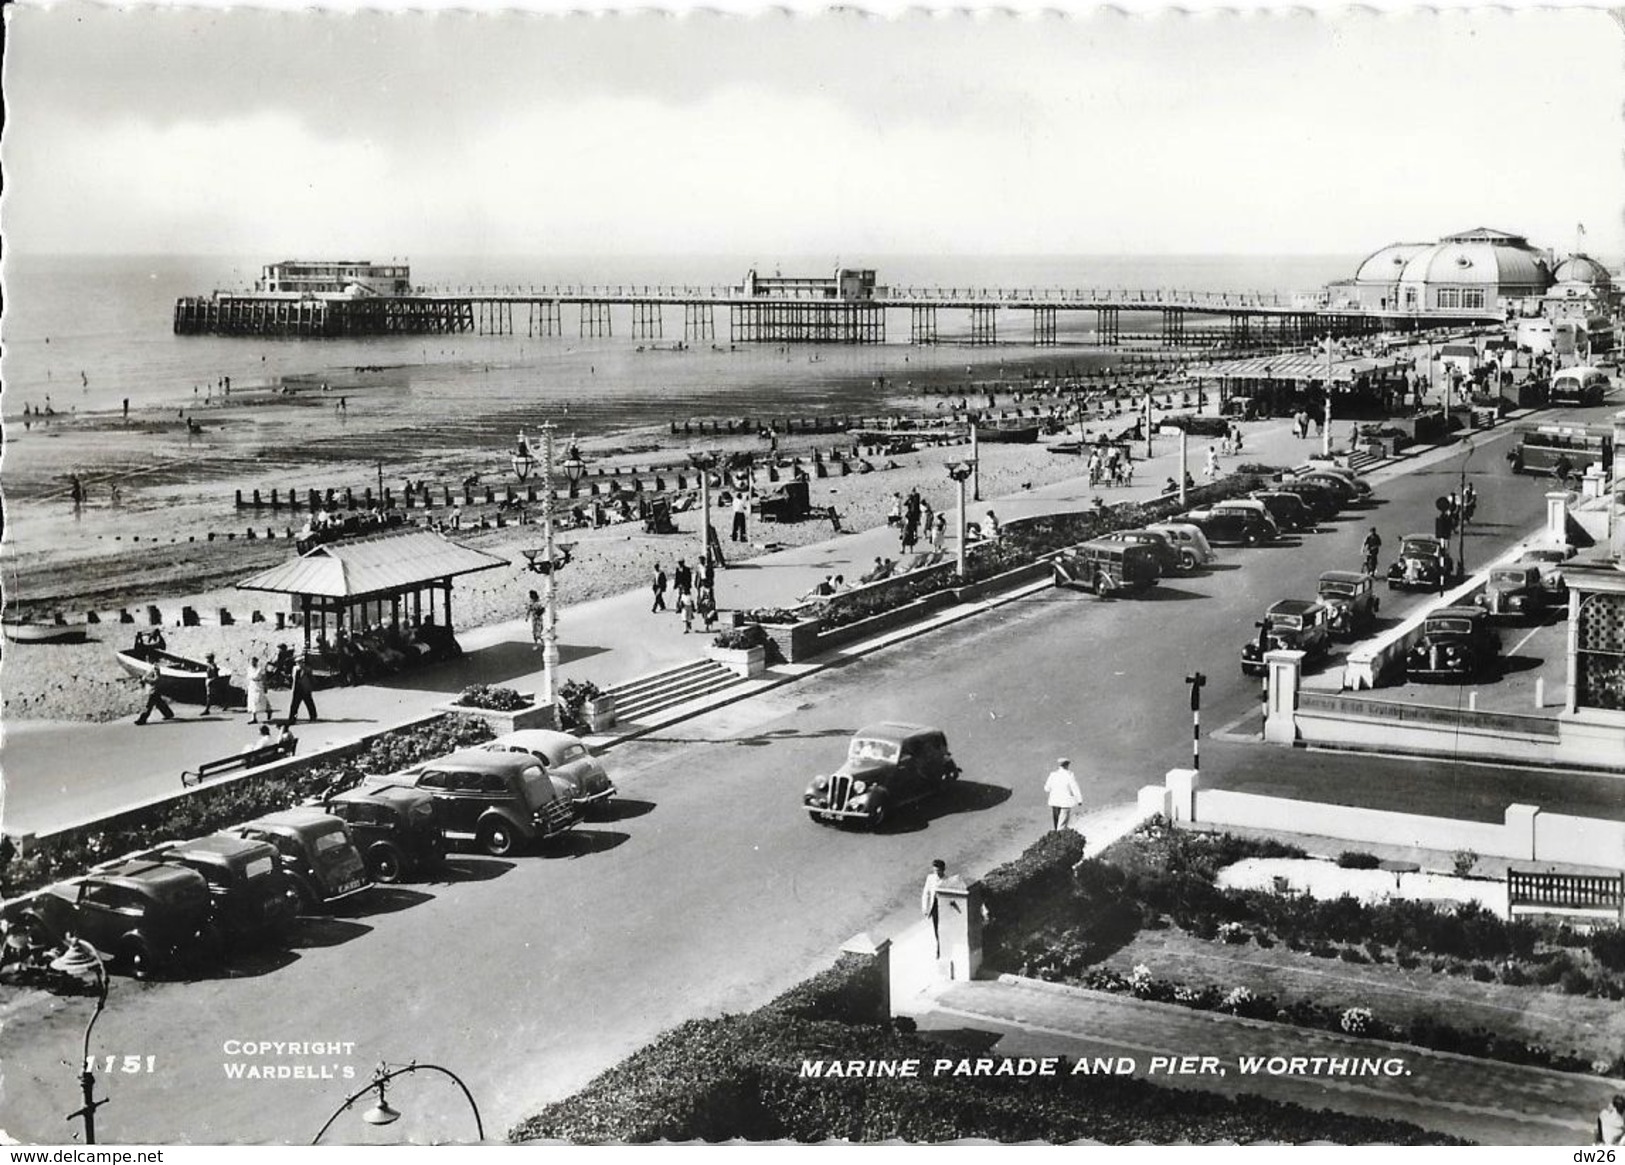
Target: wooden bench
<point>243,760</point>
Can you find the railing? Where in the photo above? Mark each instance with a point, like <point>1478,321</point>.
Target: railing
<point>1566,891</point>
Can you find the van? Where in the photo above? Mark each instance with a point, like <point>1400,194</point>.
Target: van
<point>1578,386</point>
<point>1106,567</point>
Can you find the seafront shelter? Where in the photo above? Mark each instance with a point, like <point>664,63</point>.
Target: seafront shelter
<point>1279,384</point>
<point>394,580</point>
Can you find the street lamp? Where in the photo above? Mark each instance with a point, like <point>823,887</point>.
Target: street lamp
<point>704,461</point>
<point>1326,422</point>
<point>550,621</point>
<point>383,1113</point>
<point>574,466</point>
<point>959,472</point>
<point>80,959</point>
<point>1461,513</point>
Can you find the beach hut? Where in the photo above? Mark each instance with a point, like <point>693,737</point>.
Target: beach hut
<point>394,579</point>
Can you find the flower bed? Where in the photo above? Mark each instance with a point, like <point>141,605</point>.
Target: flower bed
<point>1159,875</point>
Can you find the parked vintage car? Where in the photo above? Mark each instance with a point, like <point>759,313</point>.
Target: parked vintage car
<point>1356,489</point>
<point>1457,643</point>
<point>1168,560</point>
<point>1514,591</point>
<point>394,827</point>
<point>140,916</point>
<point>1352,597</point>
<point>1292,625</point>
<point>1549,560</point>
<point>1189,540</point>
<point>1106,568</point>
<point>566,759</point>
<point>1240,520</point>
<point>251,898</point>
<point>1424,563</point>
<point>316,850</point>
<point>500,800</point>
<point>1320,499</point>
<point>888,766</point>
<point>1289,510</point>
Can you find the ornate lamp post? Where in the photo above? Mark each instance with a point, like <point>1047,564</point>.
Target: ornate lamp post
<point>959,472</point>
<point>574,466</point>
<point>704,461</point>
<point>382,1113</point>
<point>1326,421</point>
<point>79,960</point>
<point>550,622</point>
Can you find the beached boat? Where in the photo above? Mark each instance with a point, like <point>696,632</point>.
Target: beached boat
<point>1010,434</point>
<point>179,678</point>
<point>26,631</point>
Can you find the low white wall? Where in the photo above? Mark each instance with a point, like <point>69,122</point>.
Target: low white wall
<point>1463,740</point>
<point>1250,810</point>
<point>1586,841</point>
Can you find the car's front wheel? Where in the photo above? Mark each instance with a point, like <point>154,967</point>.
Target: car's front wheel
<point>877,817</point>
<point>387,862</point>
<point>136,956</point>
<point>1250,538</point>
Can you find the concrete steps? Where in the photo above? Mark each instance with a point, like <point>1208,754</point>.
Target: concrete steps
<point>647,695</point>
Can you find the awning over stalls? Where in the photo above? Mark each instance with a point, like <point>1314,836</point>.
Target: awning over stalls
<point>360,567</point>
<point>373,580</point>
<point>1298,366</point>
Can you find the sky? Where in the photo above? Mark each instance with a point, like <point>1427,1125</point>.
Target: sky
<point>160,130</point>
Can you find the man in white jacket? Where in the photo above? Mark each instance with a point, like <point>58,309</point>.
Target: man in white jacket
<point>1064,796</point>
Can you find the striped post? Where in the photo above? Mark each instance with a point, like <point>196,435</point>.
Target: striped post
<point>1196,680</point>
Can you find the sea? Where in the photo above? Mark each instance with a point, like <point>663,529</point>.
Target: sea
<point>83,333</point>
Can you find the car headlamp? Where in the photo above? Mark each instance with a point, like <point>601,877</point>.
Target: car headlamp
<point>858,787</point>
<point>820,783</point>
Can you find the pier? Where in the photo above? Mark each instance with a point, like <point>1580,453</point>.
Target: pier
<point>848,308</point>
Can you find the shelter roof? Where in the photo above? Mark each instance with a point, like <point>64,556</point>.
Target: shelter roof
<point>370,566</point>
<point>1298,366</point>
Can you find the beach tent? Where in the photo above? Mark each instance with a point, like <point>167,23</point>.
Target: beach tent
<point>363,581</point>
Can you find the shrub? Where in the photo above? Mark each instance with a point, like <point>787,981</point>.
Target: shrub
<point>1608,947</point>
<point>1552,970</point>
<point>1513,975</point>
<point>1353,955</point>
<point>572,702</point>
<point>741,638</point>
<point>1357,1021</point>
<point>1482,973</point>
<point>1373,950</point>
<point>1463,861</point>
<point>495,699</point>
<point>1358,860</point>
<point>1574,982</point>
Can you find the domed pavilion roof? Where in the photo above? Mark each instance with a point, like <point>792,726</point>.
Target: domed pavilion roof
<point>1492,258</point>
<point>1582,269</point>
<point>1384,266</point>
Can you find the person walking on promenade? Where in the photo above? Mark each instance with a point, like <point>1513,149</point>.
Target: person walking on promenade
<point>536,612</point>
<point>910,535</point>
<point>659,587</point>
<point>682,579</point>
<point>1212,470</point>
<point>939,531</point>
<point>1610,1128</point>
<point>685,607</point>
<point>741,507</point>
<point>303,690</point>
<point>1061,786</point>
<point>211,684</point>
<point>259,699</point>
<point>705,605</point>
<point>928,901</point>
<point>149,681</point>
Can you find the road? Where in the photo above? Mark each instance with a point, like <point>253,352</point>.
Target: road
<point>709,891</point>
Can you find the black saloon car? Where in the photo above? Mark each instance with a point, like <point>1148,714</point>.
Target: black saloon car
<point>1424,564</point>
<point>394,827</point>
<point>1457,644</point>
<point>139,915</point>
<point>888,766</point>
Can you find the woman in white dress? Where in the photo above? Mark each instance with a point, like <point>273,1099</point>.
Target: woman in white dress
<point>259,699</point>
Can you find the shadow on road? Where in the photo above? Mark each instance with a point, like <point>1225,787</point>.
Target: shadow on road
<point>248,963</point>
<point>1513,664</point>
<point>465,868</point>
<point>380,900</point>
<point>316,932</point>
<point>777,734</point>
<point>961,797</point>
<point>1166,594</point>
<point>579,843</point>
<point>621,809</point>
